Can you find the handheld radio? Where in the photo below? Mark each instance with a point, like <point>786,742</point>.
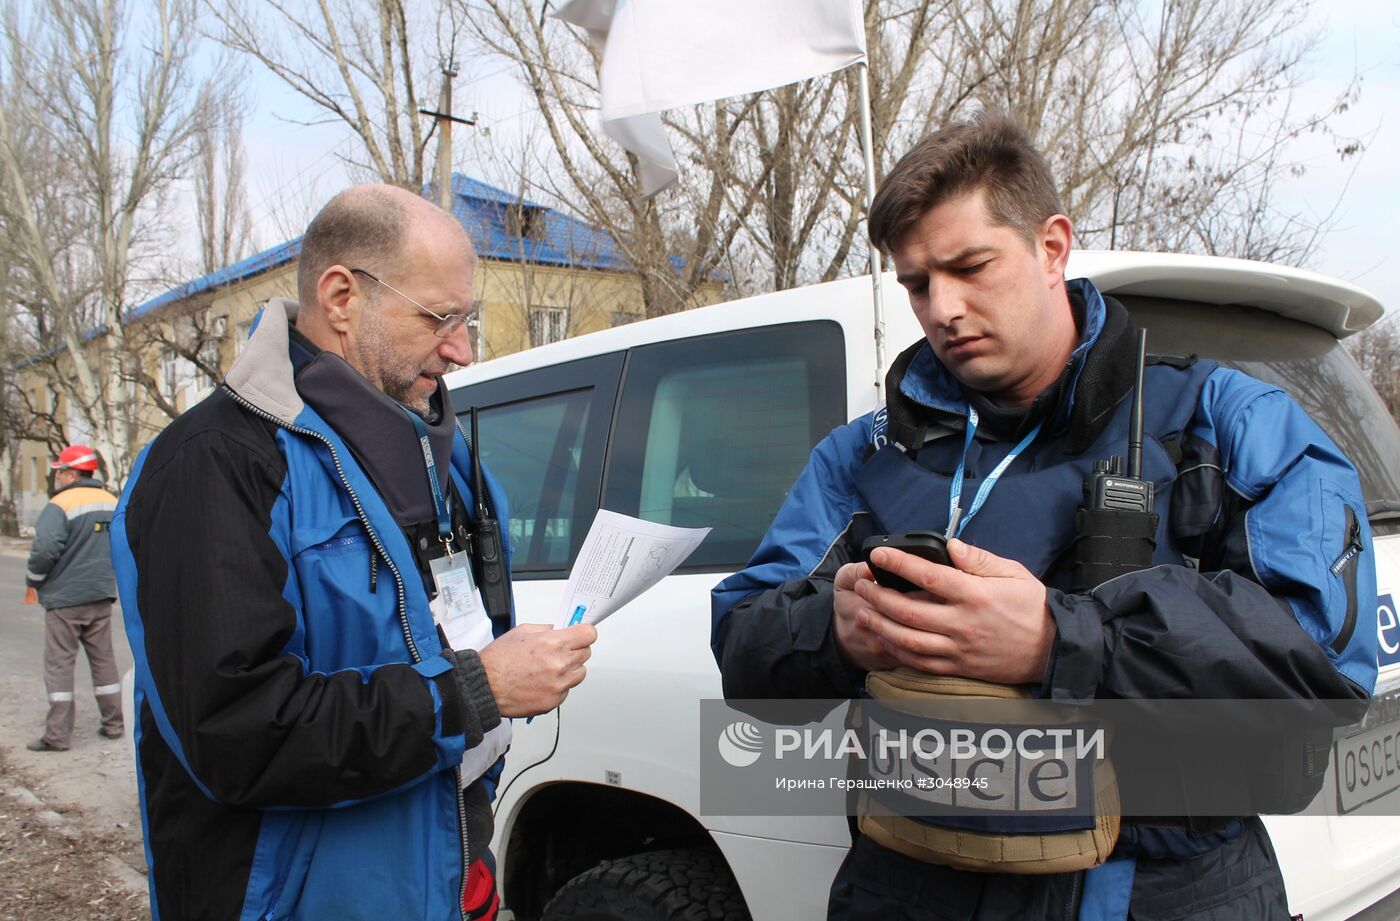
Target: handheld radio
<point>486,539</point>
<point>1110,487</point>
<point>1116,527</point>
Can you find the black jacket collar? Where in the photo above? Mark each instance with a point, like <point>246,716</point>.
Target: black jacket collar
<point>1088,394</point>
<point>377,429</point>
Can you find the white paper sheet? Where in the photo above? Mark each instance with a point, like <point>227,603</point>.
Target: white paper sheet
<point>621,558</point>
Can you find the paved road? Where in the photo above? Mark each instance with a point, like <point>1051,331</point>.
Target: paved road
<point>95,782</point>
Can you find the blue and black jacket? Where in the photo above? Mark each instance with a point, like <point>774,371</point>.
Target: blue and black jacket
<point>1264,577</point>
<point>299,728</point>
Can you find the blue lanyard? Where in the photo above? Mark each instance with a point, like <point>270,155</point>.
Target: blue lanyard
<point>956,520</point>
<point>444,518</point>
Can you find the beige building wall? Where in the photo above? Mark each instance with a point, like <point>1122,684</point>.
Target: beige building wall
<point>558,302</point>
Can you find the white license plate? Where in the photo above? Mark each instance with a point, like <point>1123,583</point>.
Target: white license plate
<point>1367,765</point>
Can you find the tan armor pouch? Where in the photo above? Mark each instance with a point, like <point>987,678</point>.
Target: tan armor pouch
<point>1052,852</point>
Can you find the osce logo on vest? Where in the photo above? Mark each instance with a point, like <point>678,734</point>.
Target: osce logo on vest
<point>1388,627</point>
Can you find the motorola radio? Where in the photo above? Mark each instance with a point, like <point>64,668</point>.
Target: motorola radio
<point>488,551</point>
<point>1110,487</point>
<point>1116,527</point>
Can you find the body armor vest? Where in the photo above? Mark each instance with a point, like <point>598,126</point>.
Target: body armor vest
<point>1028,516</point>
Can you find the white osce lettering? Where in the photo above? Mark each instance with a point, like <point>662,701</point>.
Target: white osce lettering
<point>1386,622</point>
<point>1371,762</point>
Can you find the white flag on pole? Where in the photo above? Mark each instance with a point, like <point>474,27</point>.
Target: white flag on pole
<point>661,54</point>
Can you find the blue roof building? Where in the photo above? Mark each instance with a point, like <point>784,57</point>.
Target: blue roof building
<point>543,275</point>
<point>502,226</point>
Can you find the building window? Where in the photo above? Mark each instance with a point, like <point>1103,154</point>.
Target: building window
<point>548,324</point>
<point>210,353</point>
<point>525,222</point>
<point>476,330</point>
<point>208,358</point>
<point>623,317</point>
<point>169,374</point>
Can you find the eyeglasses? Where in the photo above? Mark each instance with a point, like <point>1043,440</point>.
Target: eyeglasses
<point>447,325</point>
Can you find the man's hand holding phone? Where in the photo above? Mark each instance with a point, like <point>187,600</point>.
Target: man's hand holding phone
<point>926,545</point>
<point>976,615</point>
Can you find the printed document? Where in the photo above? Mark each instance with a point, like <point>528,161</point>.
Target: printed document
<point>621,558</point>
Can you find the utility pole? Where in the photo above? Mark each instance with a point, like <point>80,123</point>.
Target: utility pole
<point>445,118</point>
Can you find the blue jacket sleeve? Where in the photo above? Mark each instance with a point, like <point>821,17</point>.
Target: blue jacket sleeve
<point>771,622</point>
<point>1294,615</point>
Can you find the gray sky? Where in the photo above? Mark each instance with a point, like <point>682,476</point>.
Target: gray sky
<point>1363,37</point>
<point>292,169</point>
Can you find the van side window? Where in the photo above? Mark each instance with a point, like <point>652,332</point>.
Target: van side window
<point>533,448</point>
<point>712,431</point>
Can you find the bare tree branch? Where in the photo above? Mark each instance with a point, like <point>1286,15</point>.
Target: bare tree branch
<point>361,62</point>
<point>91,106</point>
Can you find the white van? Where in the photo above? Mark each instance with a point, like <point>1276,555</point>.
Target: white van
<point>603,795</point>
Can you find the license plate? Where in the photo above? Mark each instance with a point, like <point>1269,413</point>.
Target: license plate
<point>1367,765</point>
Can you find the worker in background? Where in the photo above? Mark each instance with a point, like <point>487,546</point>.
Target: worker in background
<point>70,568</point>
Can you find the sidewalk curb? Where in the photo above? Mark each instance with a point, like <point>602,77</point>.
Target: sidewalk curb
<point>122,874</point>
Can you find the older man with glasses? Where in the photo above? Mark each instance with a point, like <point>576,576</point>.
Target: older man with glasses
<point>323,692</point>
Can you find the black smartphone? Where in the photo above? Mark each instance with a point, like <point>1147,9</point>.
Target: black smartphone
<point>926,545</point>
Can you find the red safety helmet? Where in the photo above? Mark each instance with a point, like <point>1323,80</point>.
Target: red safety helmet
<point>76,457</point>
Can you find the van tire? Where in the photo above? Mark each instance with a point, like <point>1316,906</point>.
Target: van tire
<point>681,885</point>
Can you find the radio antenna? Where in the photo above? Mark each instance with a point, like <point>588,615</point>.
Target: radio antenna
<point>1135,420</point>
<point>478,480</point>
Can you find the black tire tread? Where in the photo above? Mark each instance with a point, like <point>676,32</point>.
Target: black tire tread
<point>674,885</point>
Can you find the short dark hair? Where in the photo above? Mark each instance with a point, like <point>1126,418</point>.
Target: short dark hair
<point>988,151</point>
<point>362,226</point>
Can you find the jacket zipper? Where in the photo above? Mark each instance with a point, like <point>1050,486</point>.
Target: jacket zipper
<point>1345,566</point>
<point>457,771</point>
<point>398,584</point>
<point>1072,897</point>
<point>466,855</point>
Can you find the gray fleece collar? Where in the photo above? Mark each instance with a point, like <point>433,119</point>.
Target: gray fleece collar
<point>262,375</point>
